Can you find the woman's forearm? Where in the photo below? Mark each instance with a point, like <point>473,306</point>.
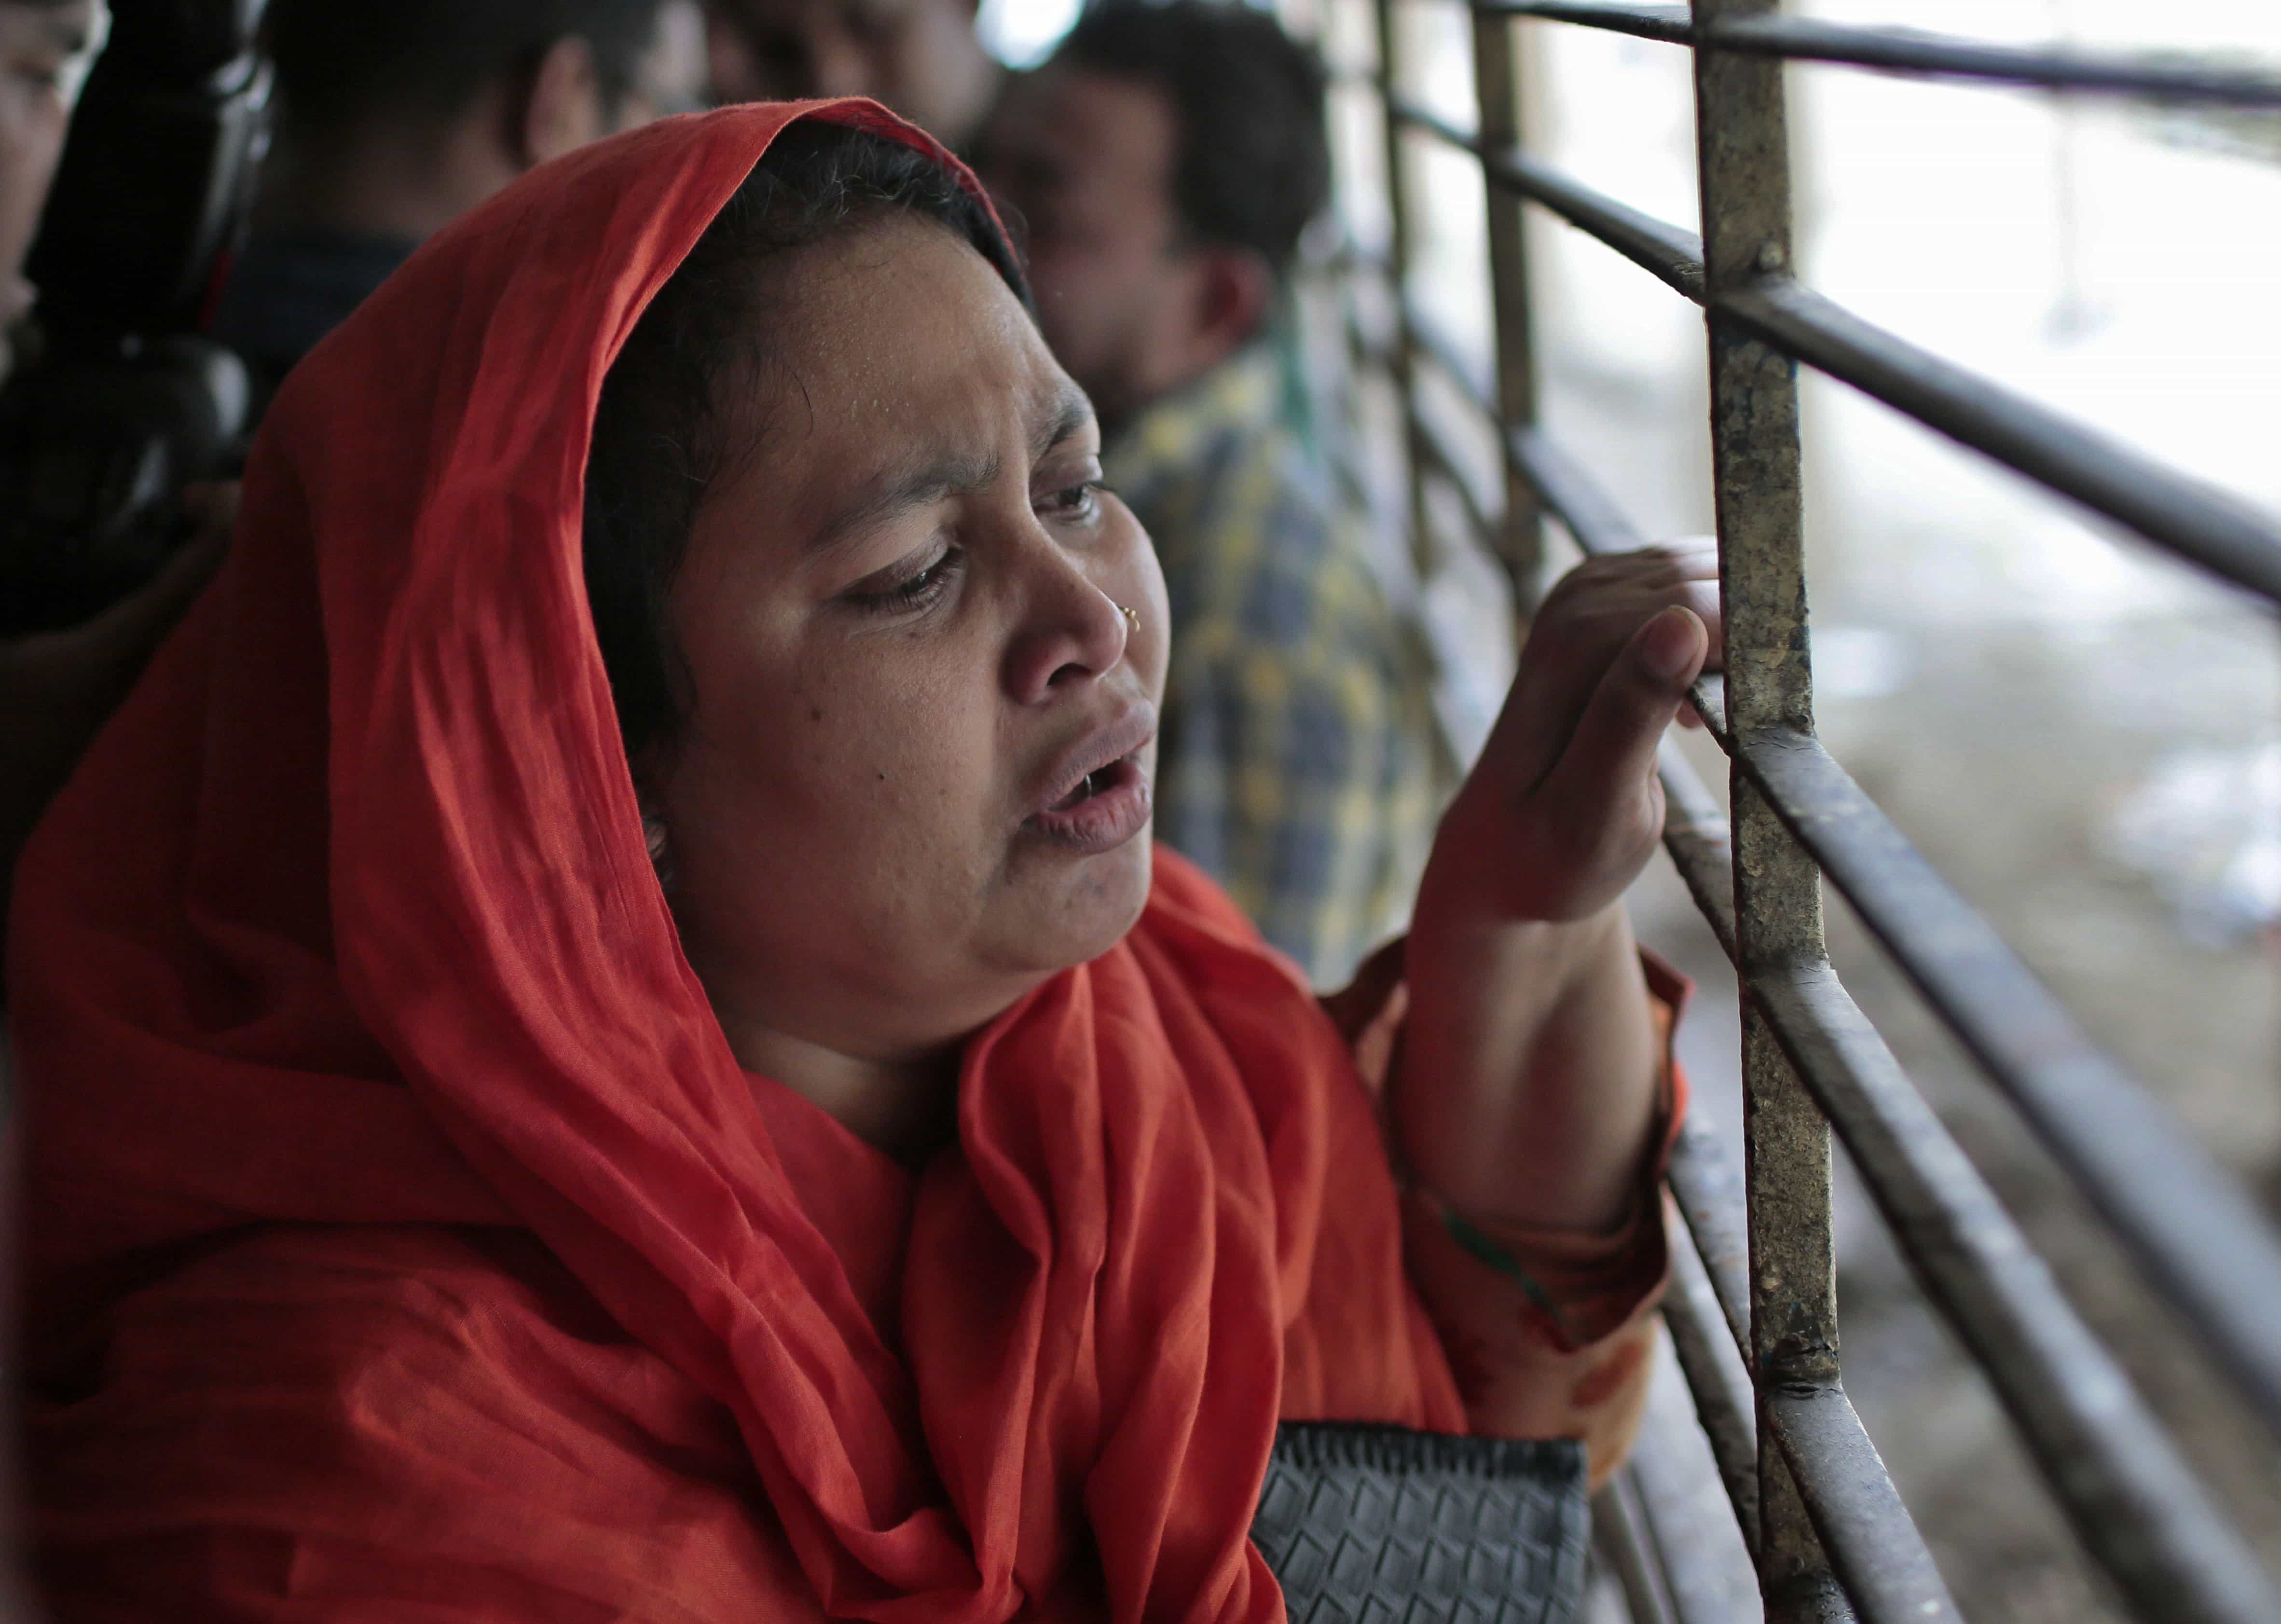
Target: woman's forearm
<point>1526,1089</point>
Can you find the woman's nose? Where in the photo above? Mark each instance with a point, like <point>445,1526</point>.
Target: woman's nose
<point>1073,631</point>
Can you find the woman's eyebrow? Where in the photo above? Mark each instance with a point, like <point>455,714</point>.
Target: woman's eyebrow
<point>897,493</point>
<point>1068,413</point>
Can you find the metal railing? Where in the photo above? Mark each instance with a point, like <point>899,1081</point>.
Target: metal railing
<point>1828,1531</point>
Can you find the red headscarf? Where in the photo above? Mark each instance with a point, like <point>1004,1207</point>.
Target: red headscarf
<point>404,1241</point>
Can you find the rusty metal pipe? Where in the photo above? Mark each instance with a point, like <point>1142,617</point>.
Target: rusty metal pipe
<point>2196,1236</point>
<point>1673,255</point>
<point>2223,534</point>
<point>2170,78</point>
<point>1717,1380</point>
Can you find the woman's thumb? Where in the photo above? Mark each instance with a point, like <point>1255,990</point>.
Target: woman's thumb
<point>1612,751</point>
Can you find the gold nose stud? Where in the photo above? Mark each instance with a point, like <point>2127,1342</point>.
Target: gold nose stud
<point>1132,616</point>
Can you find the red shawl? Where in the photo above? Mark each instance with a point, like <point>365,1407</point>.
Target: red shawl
<point>404,1242</point>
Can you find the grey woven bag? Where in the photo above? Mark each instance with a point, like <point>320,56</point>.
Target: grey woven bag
<point>1379,1525</point>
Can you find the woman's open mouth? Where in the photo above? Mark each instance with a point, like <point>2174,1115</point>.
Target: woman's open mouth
<point>1104,809</point>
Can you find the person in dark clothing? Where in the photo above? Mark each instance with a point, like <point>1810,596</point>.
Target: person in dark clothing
<point>57,687</point>
<point>398,116</point>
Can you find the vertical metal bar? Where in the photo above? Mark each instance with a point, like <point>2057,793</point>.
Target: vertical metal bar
<point>1498,92</point>
<point>1398,255</point>
<point>1741,143</point>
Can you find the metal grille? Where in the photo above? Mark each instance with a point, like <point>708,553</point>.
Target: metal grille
<point>1828,1532</point>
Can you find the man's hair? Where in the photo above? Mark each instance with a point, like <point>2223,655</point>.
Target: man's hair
<point>1252,164</point>
<point>340,62</point>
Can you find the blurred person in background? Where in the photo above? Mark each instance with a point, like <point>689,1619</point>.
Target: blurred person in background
<point>922,57</point>
<point>46,48</point>
<point>1164,163</point>
<point>398,116</point>
<point>53,683</point>
<point>57,687</point>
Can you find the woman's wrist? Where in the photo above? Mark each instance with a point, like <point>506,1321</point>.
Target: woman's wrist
<point>1526,1085</point>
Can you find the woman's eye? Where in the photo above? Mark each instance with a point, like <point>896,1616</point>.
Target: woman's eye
<point>1078,502</point>
<point>914,591</point>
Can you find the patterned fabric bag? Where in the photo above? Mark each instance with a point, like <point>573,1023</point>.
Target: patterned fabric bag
<point>1367,1524</point>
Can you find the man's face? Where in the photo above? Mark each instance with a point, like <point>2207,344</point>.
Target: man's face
<point>919,56</point>
<point>1083,162</point>
<point>44,52</point>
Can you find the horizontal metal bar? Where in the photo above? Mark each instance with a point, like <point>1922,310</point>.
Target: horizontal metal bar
<point>1665,250</point>
<point>1441,459</point>
<point>2231,1293</point>
<point>1570,494</point>
<point>2100,1448</point>
<point>2165,77</point>
<point>2056,67</point>
<point>1720,1387</point>
<point>2199,1239</point>
<point>1696,835</point>
<point>2114,1470</point>
<point>2221,532</point>
<point>1672,24</point>
<point>1568,491</point>
<point>1435,344</point>
<point>2139,1510</point>
<point>1866,1530</point>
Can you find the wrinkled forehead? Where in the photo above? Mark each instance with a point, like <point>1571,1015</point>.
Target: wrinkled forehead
<point>890,341</point>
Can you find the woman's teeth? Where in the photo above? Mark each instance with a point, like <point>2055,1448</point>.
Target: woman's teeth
<point>1088,787</point>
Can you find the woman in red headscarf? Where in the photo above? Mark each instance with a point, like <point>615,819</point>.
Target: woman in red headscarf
<point>602,1038</point>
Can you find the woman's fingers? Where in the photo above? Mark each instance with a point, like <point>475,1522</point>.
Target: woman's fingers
<point>1603,777</point>
<point>1587,621</point>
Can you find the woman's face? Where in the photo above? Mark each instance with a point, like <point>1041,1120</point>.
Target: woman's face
<point>916,776</point>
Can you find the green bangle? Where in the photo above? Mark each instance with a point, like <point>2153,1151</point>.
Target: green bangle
<point>1485,1250</point>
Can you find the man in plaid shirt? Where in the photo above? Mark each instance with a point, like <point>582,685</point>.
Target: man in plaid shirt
<point>1163,164</point>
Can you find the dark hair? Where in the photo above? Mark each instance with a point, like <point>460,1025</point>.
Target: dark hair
<point>1253,164</point>
<point>341,61</point>
<point>662,435</point>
